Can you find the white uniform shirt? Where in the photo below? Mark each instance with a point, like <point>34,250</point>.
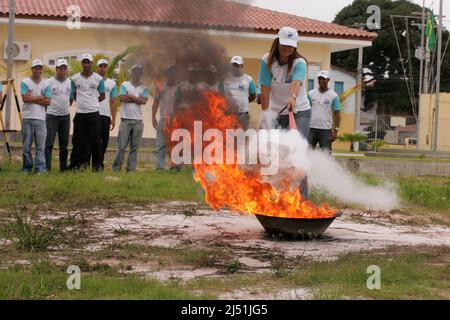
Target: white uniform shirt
<point>238,89</point>
<point>323,105</point>
<point>110,92</point>
<point>61,94</point>
<point>280,82</point>
<point>34,110</point>
<point>87,91</point>
<point>130,110</point>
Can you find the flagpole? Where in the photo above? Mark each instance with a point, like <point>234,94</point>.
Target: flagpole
<point>438,79</point>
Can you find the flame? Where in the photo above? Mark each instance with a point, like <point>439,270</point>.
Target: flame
<point>229,185</point>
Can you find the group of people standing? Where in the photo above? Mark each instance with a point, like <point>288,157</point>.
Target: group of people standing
<point>282,89</point>
<point>46,113</point>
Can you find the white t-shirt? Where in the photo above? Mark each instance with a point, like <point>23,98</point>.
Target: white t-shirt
<point>280,82</point>
<point>87,91</point>
<point>238,89</point>
<point>34,110</point>
<point>110,92</point>
<point>130,110</point>
<point>166,98</point>
<point>322,107</point>
<point>61,95</point>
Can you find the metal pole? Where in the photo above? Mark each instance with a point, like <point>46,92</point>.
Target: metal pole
<point>438,78</point>
<point>422,57</point>
<point>9,49</point>
<point>358,96</point>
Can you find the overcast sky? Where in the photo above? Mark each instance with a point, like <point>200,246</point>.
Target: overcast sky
<point>326,10</point>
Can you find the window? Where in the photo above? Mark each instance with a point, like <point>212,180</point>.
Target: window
<point>310,84</point>
<point>339,87</point>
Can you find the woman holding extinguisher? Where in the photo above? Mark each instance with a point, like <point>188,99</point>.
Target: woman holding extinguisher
<point>283,86</point>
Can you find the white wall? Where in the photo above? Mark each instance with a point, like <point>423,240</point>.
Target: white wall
<point>336,75</point>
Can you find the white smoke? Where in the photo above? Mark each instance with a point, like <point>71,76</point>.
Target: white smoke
<point>325,173</point>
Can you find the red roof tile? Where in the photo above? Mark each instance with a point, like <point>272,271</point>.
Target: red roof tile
<point>213,14</point>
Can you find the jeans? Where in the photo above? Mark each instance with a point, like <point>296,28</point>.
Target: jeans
<point>57,125</point>
<point>321,137</point>
<point>303,121</point>
<point>244,119</point>
<point>33,129</point>
<point>161,145</point>
<point>86,141</point>
<point>130,132</point>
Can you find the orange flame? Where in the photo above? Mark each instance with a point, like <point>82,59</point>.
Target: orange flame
<point>229,185</point>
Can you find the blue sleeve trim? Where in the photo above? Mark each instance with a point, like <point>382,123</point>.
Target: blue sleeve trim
<point>48,91</point>
<point>252,87</point>
<point>123,90</point>
<point>299,73</point>
<point>23,88</point>
<point>145,93</point>
<point>265,76</point>
<point>101,87</point>
<point>114,93</point>
<point>336,105</point>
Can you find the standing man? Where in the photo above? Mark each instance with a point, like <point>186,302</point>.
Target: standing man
<point>36,95</point>
<point>164,100</point>
<point>89,91</point>
<point>324,103</point>
<point>133,96</point>
<point>188,91</point>
<point>240,90</point>
<point>107,106</point>
<point>58,115</point>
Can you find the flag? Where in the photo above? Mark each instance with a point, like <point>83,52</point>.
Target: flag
<point>431,31</point>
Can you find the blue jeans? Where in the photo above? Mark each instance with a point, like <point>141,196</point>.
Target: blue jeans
<point>161,145</point>
<point>303,121</point>
<point>36,130</point>
<point>130,132</point>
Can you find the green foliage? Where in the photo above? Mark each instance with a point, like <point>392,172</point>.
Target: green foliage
<point>352,137</point>
<point>32,236</point>
<point>390,94</point>
<point>377,144</point>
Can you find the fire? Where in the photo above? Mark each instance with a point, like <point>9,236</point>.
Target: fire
<point>229,185</point>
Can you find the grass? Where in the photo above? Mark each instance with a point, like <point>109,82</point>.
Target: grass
<point>27,235</point>
<point>51,284</point>
<point>87,189</point>
<point>402,276</point>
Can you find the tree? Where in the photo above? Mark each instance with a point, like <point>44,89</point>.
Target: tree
<point>382,58</point>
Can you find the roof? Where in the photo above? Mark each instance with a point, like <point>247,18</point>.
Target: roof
<point>212,14</point>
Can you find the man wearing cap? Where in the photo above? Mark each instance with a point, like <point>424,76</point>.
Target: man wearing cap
<point>58,115</point>
<point>210,79</point>
<point>89,91</point>
<point>188,90</point>
<point>133,96</point>
<point>107,106</point>
<point>164,100</point>
<point>240,89</point>
<point>325,103</point>
<point>36,95</point>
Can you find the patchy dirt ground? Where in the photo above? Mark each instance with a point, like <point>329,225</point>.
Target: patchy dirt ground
<point>135,240</point>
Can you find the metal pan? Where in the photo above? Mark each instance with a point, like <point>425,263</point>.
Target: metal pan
<point>293,228</point>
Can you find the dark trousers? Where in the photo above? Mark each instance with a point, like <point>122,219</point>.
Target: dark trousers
<point>321,137</point>
<point>105,124</point>
<point>86,141</point>
<point>57,125</point>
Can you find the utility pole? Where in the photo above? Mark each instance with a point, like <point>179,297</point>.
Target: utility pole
<point>359,82</point>
<point>438,78</point>
<point>9,50</point>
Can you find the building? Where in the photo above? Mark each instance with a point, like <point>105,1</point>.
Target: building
<point>241,29</point>
<point>426,122</point>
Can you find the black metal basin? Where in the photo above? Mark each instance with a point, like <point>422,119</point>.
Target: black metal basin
<point>293,228</point>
